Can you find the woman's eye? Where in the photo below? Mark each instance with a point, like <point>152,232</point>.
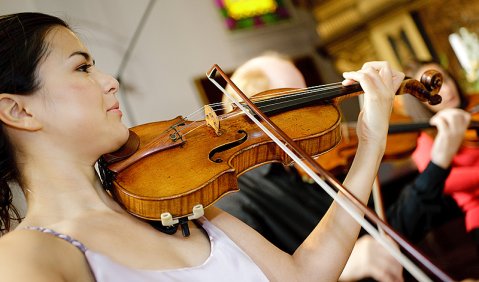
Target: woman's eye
<point>84,68</point>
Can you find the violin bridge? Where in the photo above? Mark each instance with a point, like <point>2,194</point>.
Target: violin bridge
<point>212,119</point>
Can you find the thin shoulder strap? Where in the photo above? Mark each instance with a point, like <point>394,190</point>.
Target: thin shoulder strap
<point>67,238</point>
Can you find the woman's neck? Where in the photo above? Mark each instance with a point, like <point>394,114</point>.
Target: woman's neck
<point>58,191</point>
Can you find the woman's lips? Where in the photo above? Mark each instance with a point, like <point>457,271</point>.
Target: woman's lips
<point>115,108</point>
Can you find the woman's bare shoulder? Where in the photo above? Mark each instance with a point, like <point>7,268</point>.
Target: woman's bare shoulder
<point>22,242</point>
<point>27,255</point>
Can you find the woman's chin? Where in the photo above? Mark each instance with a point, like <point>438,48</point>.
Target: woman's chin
<point>123,139</point>
<point>120,138</point>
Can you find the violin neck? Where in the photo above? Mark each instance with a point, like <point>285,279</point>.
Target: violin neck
<point>308,96</point>
<point>408,127</point>
<point>417,126</point>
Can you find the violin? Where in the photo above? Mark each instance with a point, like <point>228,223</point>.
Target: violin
<point>471,138</point>
<point>167,168</point>
<point>177,167</point>
<point>400,144</point>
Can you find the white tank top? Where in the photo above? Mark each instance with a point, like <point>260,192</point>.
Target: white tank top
<point>226,262</point>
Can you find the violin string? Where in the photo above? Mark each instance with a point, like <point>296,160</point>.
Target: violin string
<point>181,129</point>
<point>299,92</point>
<point>312,89</point>
<point>278,101</point>
<point>203,122</point>
<point>185,133</point>
<point>221,106</point>
<point>306,91</point>
<point>217,107</point>
<point>413,269</point>
<point>295,95</point>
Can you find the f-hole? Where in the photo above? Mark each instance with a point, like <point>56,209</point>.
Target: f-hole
<point>227,146</point>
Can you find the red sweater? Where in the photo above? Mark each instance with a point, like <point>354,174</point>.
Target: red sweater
<point>463,182</point>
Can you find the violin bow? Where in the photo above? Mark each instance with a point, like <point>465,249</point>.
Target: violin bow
<point>350,204</point>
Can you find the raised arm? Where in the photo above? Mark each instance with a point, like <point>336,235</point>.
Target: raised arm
<point>336,234</point>
<point>324,253</point>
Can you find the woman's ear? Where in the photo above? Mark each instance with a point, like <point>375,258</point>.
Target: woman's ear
<point>14,113</point>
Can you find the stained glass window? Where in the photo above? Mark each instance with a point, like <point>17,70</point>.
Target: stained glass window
<point>248,14</point>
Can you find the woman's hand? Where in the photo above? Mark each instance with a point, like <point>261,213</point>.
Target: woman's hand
<point>370,259</point>
<point>451,127</point>
<point>380,84</point>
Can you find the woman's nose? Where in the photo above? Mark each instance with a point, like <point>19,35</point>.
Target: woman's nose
<point>109,84</point>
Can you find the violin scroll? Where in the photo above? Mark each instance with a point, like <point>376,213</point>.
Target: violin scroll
<point>432,80</point>
<point>427,89</point>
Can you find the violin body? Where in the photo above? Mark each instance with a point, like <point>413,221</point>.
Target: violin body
<point>204,166</point>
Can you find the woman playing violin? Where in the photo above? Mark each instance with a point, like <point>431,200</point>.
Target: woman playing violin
<point>60,113</point>
<point>275,200</point>
<point>443,156</point>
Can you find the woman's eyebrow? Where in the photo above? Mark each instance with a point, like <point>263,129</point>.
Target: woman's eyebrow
<point>83,54</point>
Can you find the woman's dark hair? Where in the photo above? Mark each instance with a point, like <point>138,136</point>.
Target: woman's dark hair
<point>22,47</point>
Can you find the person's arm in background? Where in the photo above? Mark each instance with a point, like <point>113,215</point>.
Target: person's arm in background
<point>422,204</point>
<point>446,148</point>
